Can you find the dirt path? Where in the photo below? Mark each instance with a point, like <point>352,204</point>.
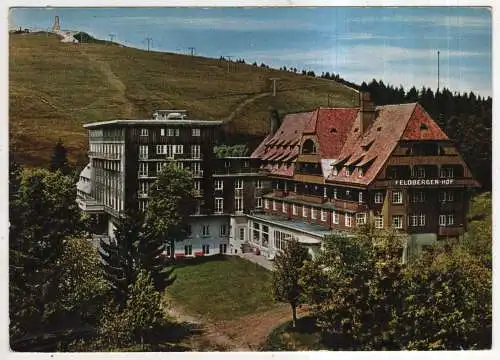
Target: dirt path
<point>113,81</point>
<point>209,337</point>
<point>246,333</point>
<point>245,103</point>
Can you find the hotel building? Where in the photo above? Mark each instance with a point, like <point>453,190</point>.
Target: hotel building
<point>316,173</point>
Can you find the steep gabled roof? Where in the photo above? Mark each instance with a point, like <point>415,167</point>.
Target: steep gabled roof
<point>331,127</point>
<point>422,127</point>
<point>382,137</point>
<point>288,134</point>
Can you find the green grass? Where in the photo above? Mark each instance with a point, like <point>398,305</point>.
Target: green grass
<point>303,338</point>
<point>56,87</point>
<point>221,288</point>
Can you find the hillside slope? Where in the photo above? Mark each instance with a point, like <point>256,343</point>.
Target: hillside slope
<point>56,87</point>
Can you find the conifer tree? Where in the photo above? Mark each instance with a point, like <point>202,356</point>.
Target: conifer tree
<point>59,160</point>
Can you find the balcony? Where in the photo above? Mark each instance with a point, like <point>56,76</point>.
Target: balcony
<point>198,173</point>
<point>349,205</point>
<point>236,172</point>
<point>310,199</point>
<point>424,160</point>
<point>307,178</point>
<point>451,230</point>
<point>103,155</point>
<point>238,192</point>
<point>188,157</point>
<point>142,195</point>
<point>90,205</point>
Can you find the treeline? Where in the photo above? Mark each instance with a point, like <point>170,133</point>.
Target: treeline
<point>66,294</point>
<point>465,117</point>
<point>360,296</point>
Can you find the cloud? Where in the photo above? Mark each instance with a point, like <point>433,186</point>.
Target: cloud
<point>392,64</point>
<point>217,23</point>
<point>448,21</point>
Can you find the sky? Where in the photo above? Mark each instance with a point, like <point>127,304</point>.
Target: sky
<point>394,44</point>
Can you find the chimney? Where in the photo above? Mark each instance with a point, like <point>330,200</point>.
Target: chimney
<point>274,120</point>
<point>366,111</point>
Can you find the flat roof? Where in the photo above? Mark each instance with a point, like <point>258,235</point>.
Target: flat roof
<point>154,122</point>
<point>297,225</point>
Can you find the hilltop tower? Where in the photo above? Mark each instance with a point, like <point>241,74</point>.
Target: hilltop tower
<point>56,26</point>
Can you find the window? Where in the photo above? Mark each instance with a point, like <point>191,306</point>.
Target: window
<point>283,207</point>
<point>238,204</point>
<point>162,132</point>
<point>347,171</point>
<point>446,219</point>
<point>379,222</point>
<point>418,197</point>
<point>309,147</point>
<point>360,218</point>
<point>195,151</point>
<point>416,219</point>
<point>196,169</point>
<point>179,149</point>
<point>295,211</point>
<point>314,213</point>
<point>266,203</point>
<point>159,167</point>
<point>323,215</point>
<point>304,211</point>
<point>143,187</point>
<point>197,185</point>
<point>144,132</point>
<point>188,250</point>
<point>335,171</point>
<point>205,231</point>
<point>421,219</point>
<point>143,204</point>
<point>143,152</point>
<point>259,202</point>
<point>195,132</point>
<point>206,249</point>
<point>223,248</point>
<point>265,235</point>
<point>177,132</point>
<point>379,198</point>
<point>143,169</point>
<point>420,172</point>
<point>161,149</point>
<point>450,218</point>
<point>445,196</point>
<point>219,205</point>
<point>446,172</point>
<point>219,184</point>
<point>223,230</point>
<point>334,193</point>
<point>259,184</point>
<point>360,197</point>
<point>242,234</point>
<point>274,206</point>
<point>348,220</point>
<point>397,221</point>
<point>171,132</point>
<point>397,197</point>
<point>360,172</point>
<point>335,217</point>
<point>238,184</point>
<point>442,220</point>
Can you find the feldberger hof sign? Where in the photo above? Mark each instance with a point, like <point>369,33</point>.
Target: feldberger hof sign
<point>419,182</point>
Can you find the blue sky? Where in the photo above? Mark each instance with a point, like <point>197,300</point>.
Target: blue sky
<point>398,45</point>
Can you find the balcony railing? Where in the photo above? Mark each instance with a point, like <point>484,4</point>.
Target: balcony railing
<point>103,155</point>
<point>451,230</point>
<point>198,173</point>
<point>188,156</point>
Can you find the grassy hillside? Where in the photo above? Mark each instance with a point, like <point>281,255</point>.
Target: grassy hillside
<point>56,87</point>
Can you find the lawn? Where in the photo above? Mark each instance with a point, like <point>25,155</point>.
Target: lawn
<point>221,288</point>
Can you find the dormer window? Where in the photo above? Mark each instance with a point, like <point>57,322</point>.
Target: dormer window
<point>309,147</point>
<point>335,171</point>
<point>360,172</point>
<point>347,171</point>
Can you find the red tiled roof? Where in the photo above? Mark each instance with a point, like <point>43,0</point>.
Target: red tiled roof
<point>383,134</point>
<point>289,133</point>
<point>422,127</point>
<point>332,129</point>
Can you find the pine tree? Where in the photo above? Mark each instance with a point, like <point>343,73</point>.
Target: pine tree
<point>59,160</point>
<point>133,248</point>
<point>286,275</point>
